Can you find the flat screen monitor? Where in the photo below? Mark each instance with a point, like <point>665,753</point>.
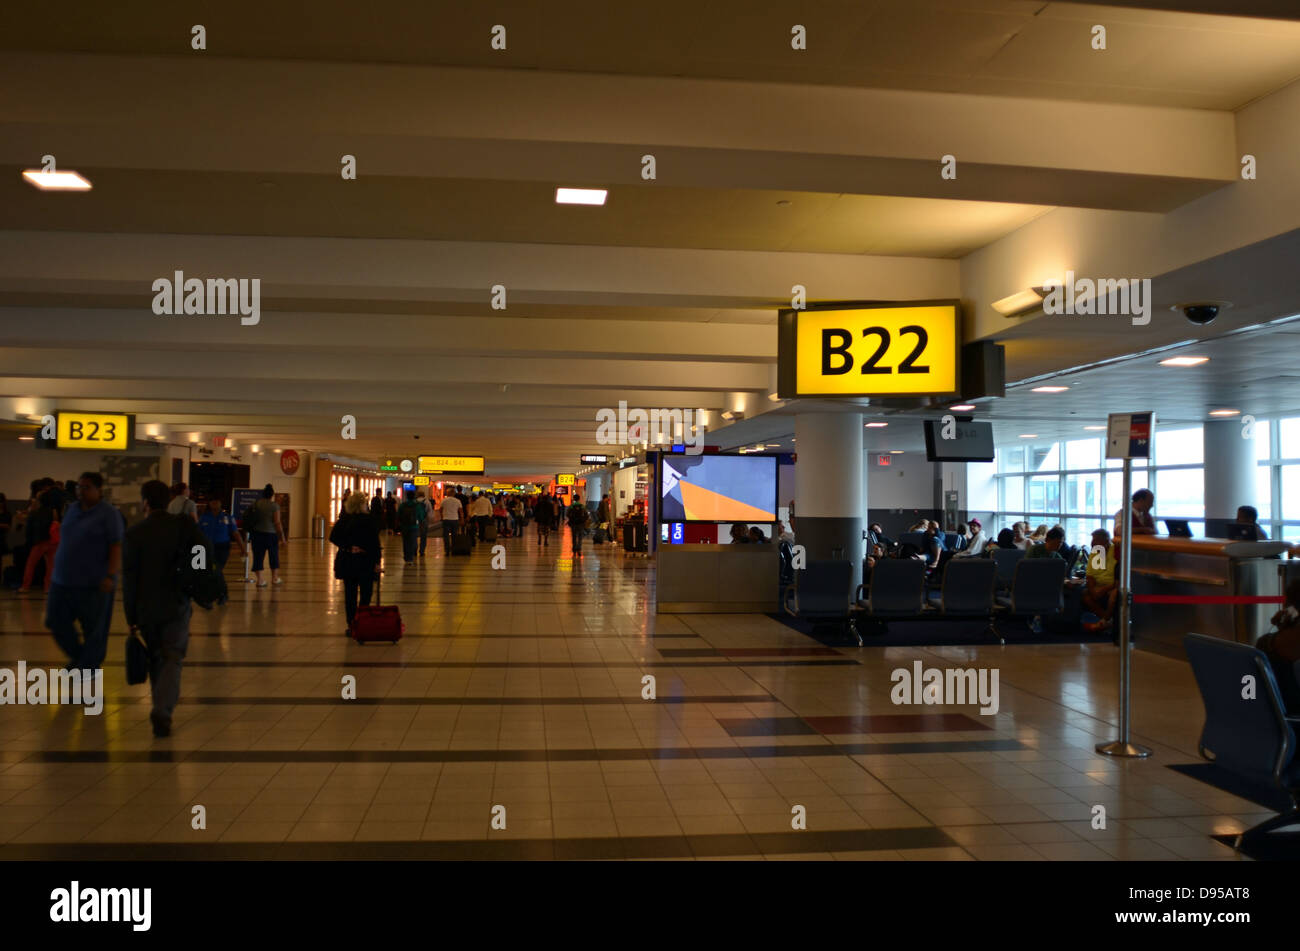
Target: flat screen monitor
<point>1241,532</point>
<point>1178,528</point>
<point>718,488</point>
<point>967,441</point>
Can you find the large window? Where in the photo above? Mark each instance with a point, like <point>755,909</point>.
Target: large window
<point>1070,483</point>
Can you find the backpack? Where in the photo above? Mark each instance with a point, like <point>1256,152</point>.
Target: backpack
<point>577,516</point>
<point>204,586</point>
<point>408,514</point>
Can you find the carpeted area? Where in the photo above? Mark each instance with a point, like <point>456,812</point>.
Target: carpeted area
<point>937,633</point>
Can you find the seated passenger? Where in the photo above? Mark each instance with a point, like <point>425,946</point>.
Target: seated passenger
<point>1247,515</point>
<point>1100,588</point>
<point>739,534</point>
<point>1039,536</point>
<point>934,547</point>
<point>977,543</point>
<point>756,536</point>
<point>1282,648</point>
<point>1051,546</point>
<point>1020,532</point>
<point>1007,539</point>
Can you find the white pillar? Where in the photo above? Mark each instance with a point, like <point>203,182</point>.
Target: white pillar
<point>1229,468</point>
<point>829,494</point>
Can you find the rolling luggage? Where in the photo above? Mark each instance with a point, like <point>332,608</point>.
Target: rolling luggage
<point>462,543</point>
<point>489,533</point>
<point>375,623</point>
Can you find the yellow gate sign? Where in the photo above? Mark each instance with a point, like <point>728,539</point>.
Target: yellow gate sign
<point>863,350</point>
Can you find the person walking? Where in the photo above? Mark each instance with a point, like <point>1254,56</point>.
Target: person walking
<point>377,509</point>
<point>219,527</point>
<point>544,513</point>
<point>181,503</point>
<point>409,516</point>
<point>390,513</point>
<point>451,515</point>
<point>605,518</point>
<point>359,558</point>
<point>155,605</point>
<point>42,533</point>
<point>481,510</point>
<point>266,535</point>
<point>86,569</point>
<point>578,517</point>
<point>425,509</point>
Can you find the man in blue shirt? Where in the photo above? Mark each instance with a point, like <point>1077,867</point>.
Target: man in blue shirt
<point>220,529</point>
<point>86,566</point>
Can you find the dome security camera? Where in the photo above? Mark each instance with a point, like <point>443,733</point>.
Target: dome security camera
<point>1202,312</point>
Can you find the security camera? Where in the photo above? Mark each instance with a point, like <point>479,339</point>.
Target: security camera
<point>1202,312</point>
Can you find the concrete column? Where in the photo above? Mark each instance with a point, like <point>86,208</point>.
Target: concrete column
<point>1229,468</point>
<point>830,507</point>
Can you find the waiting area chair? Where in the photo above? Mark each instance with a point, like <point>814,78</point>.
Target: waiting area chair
<point>1254,739</point>
<point>897,589</point>
<point>968,591</point>
<point>823,591</point>
<point>1006,559</point>
<point>1037,589</point>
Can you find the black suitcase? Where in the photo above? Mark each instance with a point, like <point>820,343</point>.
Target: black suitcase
<point>462,544</point>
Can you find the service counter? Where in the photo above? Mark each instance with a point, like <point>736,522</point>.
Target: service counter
<point>1196,566</point>
<point>717,579</point>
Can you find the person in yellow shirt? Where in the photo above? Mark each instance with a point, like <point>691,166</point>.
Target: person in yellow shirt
<point>1101,590</point>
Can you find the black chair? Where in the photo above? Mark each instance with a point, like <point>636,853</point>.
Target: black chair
<point>897,589</point>
<point>1037,589</point>
<point>823,591</point>
<point>1254,739</point>
<point>1006,559</point>
<point>968,590</point>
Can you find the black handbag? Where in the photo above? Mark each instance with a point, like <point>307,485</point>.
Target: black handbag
<point>137,658</point>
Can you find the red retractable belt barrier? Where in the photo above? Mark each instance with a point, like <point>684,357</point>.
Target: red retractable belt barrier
<point>1208,599</point>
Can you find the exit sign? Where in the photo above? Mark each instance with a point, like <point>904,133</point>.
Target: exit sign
<point>884,460</point>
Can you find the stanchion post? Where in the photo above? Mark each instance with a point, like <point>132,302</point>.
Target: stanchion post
<point>1122,746</point>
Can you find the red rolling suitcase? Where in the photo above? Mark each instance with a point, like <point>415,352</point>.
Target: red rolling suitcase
<point>377,623</point>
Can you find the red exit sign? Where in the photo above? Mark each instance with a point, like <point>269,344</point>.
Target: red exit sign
<point>884,460</point>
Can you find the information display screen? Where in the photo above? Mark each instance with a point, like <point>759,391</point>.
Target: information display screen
<point>718,488</point>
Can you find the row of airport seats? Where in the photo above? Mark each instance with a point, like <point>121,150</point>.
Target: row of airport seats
<point>1252,739</point>
<point>825,592</point>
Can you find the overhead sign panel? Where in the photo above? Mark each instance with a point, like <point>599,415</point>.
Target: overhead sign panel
<point>112,431</point>
<point>401,464</point>
<point>471,465</point>
<point>592,460</point>
<point>863,350</point>
<point>566,478</point>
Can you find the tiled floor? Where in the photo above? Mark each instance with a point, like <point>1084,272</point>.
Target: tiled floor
<point>522,689</point>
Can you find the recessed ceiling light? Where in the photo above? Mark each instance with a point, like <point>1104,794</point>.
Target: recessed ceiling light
<point>1029,435</point>
<point>1019,302</point>
<point>26,438</point>
<point>895,452</point>
<point>1049,389</point>
<point>580,196</point>
<point>277,450</point>
<point>56,181</point>
<point>876,425</point>
<point>1184,361</point>
<point>962,407</point>
<point>1225,412</point>
<point>1095,428</point>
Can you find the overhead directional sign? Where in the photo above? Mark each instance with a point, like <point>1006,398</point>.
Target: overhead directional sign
<point>113,431</point>
<point>565,478</point>
<point>592,460</point>
<point>471,465</point>
<point>860,350</point>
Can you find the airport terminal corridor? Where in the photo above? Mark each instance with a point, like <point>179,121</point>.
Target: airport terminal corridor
<point>522,688</point>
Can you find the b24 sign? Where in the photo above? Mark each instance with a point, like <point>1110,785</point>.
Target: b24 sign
<point>910,349</point>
